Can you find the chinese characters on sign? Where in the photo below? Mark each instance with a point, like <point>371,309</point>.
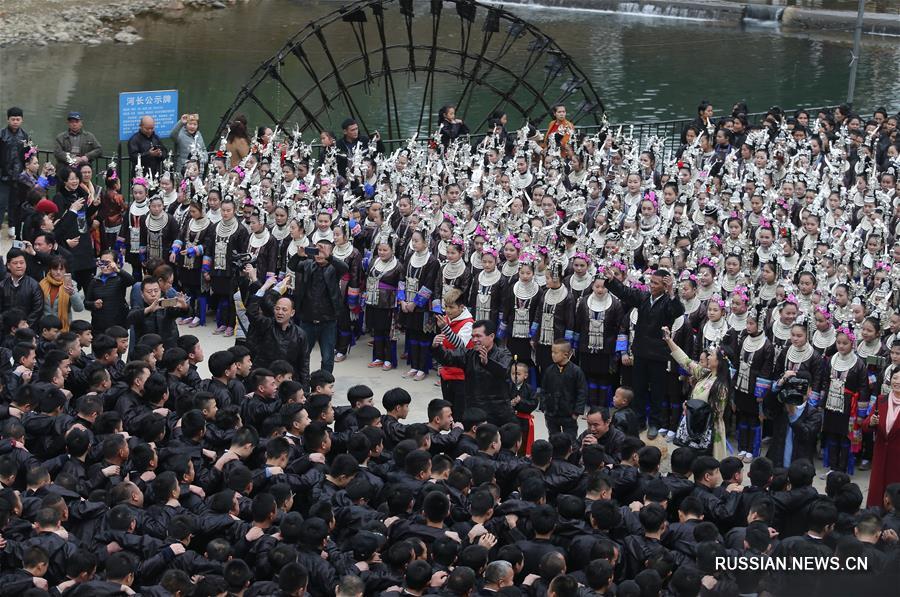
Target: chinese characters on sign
<point>161,105</point>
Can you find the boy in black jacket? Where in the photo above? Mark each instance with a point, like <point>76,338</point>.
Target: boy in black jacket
<point>623,416</point>
<point>524,403</point>
<point>564,389</point>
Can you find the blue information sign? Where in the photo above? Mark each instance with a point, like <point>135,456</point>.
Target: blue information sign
<point>161,105</point>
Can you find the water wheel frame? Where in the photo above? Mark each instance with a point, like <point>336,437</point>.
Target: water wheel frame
<point>505,61</point>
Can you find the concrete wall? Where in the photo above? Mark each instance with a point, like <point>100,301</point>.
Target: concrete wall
<point>795,17</point>
<point>721,11</point>
<point>712,10</point>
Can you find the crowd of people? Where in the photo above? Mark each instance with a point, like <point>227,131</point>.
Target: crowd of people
<point>723,307</point>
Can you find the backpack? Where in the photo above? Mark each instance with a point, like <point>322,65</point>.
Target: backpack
<point>696,426</point>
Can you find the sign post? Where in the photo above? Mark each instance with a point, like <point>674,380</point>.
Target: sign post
<point>161,105</point>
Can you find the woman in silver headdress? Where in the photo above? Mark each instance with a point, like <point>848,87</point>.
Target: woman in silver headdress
<point>845,394</point>
<point>512,248</point>
<point>782,320</point>
<point>187,255</point>
<point>229,237</point>
<point>415,297</point>
<point>350,288</point>
<point>487,289</point>
<point>875,355</point>
<point>476,250</point>
<point>801,357</point>
<point>441,240</point>
<point>712,332</point>
<point>400,223</point>
<point>520,314</point>
<point>130,232</point>
<point>555,316</point>
<point>767,287</point>
<point>281,232</point>
<point>157,230</point>
<point>580,282</point>
<point>261,246</point>
<point>824,332</point>
<point>382,283</point>
<point>454,272</point>
<point>755,361</point>
<point>598,321</point>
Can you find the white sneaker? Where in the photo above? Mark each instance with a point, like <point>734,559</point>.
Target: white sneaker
<point>670,436</point>
<point>663,431</point>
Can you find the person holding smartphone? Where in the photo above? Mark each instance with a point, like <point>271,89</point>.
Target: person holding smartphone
<point>160,315</point>
<point>60,295</point>
<point>74,229</point>
<point>318,298</point>
<point>105,295</point>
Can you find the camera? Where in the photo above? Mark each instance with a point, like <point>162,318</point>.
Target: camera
<point>794,391</point>
<point>239,260</point>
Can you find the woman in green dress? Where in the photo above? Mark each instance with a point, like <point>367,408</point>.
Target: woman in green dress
<point>712,385</point>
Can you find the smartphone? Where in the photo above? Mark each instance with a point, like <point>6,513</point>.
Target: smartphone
<point>312,251</point>
<point>17,244</point>
<point>168,302</point>
<point>68,279</point>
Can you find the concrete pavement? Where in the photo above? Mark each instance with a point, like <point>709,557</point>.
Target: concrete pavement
<point>354,371</point>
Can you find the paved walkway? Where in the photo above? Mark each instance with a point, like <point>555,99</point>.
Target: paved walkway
<point>354,371</point>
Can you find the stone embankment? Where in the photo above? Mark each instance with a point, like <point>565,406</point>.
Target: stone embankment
<point>91,22</point>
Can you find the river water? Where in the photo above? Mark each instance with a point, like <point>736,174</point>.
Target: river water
<point>644,68</point>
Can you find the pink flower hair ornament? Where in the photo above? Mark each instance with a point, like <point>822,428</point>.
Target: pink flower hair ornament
<point>707,262</point>
<point>847,332</point>
<point>582,255</point>
<point>511,239</point>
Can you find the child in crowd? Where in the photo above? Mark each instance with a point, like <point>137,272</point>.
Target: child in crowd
<point>623,416</point>
<point>523,402</point>
<point>564,391</point>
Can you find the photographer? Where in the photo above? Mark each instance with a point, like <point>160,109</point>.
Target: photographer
<point>318,298</point>
<point>160,314</point>
<point>796,424</point>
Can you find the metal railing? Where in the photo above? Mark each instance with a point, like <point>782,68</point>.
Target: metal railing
<point>670,130</point>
